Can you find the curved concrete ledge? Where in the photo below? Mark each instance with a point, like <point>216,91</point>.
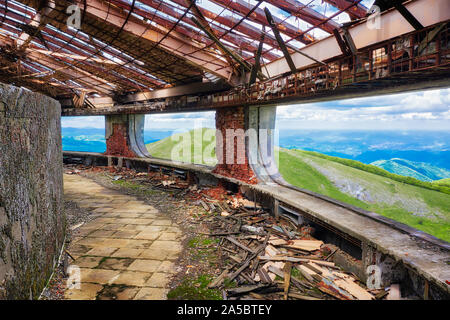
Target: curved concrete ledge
<point>395,247</point>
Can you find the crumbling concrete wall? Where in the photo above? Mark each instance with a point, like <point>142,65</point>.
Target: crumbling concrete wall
<point>232,120</point>
<point>32,221</point>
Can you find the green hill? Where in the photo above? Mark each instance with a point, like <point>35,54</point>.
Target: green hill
<point>404,199</point>
<point>181,147</point>
<point>422,208</point>
<point>443,182</point>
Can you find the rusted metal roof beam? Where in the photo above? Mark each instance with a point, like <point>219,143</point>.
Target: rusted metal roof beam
<point>173,43</point>
<point>84,54</point>
<point>69,38</point>
<point>256,67</point>
<point>356,12</point>
<point>229,21</point>
<point>258,16</point>
<point>222,47</point>
<point>201,22</point>
<point>63,68</point>
<point>305,13</point>
<point>191,33</point>
<point>281,43</point>
<point>233,38</point>
<point>407,15</point>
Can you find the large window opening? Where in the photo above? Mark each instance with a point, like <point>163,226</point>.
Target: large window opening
<point>386,154</point>
<point>186,137</point>
<point>86,134</point>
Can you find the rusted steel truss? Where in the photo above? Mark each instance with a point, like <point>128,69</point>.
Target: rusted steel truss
<point>420,56</point>
<point>130,46</point>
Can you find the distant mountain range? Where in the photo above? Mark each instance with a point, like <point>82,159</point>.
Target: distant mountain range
<point>422,155</point>
<point>419,170</point>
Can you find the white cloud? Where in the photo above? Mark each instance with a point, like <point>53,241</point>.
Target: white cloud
<point>410,109</point>
<point>83,122</point>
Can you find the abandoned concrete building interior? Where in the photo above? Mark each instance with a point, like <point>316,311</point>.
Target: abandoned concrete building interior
<point>127,224</point>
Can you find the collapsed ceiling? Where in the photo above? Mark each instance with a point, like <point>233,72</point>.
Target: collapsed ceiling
<point>81,49</point>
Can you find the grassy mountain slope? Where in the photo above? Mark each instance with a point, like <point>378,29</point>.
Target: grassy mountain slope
<point>181,147</point>
<point>425,209</point>
<point>443,182</point>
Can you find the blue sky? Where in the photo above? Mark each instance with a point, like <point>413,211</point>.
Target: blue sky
<point>426,110</point>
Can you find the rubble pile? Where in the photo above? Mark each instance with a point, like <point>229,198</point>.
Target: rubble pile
<point>268,258</point>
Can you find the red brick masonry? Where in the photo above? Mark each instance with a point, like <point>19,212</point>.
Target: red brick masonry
<point>117,143</point>
<point>232,118</point>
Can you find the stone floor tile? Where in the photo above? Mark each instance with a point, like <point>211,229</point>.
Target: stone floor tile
<point>118,292</point>
<point>132,278</point>
<point>128,253</point>
<point>160,222</point>
<point>101,251</point>
<point>158,280</point>
<point>168,236</point>
<point>166,267</point>
<point>151,294</point>
<point>100,276</point>
<point>145,235</point>
<point>87,262</point>
<point>144,265</point>
<point>115,263</point>
<point>87,291</point>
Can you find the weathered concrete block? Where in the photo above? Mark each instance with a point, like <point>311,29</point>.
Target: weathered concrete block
<point>32,221</point>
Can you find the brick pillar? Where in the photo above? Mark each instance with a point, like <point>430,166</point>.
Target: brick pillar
<point>231,146</point>
<point>124,136</point>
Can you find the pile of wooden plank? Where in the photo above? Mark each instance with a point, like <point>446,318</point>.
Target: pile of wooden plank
<point>263,258</point>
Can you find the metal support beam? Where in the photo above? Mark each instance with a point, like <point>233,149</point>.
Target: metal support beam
<point>257,66</point>
<point>407,15</point>
<point>356,12</point>
<point>393,25</point>
<point>305,13</point>
<point>258,16</point>
<point>227,51</point>
<point>172,43</point>
<point>281,43</point>
<point>341,43</point>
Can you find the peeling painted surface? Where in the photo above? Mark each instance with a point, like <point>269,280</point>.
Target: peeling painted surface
<point>32,221</point>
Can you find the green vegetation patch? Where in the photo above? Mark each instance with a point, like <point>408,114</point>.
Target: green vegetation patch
<point>195,146</point>
<point>195,289</point>
<point>134,187</point>
<point>295,167</point>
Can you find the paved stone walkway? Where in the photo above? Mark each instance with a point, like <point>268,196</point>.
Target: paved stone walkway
<point>127,251</point>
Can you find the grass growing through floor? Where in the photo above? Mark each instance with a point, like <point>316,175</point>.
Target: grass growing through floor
<point>136,187</point>
<point>195,289</point>
<point>201,242</point>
